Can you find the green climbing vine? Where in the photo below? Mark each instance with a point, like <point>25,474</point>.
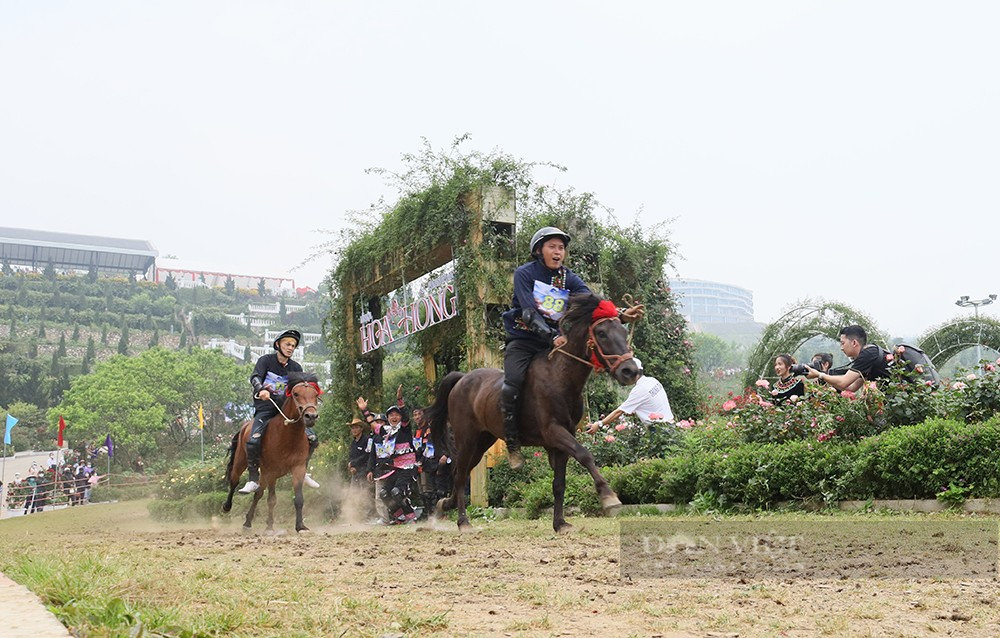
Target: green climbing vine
<point>433,209</point>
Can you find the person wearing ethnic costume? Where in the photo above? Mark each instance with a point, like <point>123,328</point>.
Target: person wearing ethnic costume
<point>789,386</point>
<point>395,463</point>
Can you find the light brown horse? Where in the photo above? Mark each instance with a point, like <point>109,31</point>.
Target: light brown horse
<point>551,407</point>
<point>284,449</point>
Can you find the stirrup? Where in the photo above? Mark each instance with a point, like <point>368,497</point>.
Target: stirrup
<point>250,487</point>
<point>310,482</point>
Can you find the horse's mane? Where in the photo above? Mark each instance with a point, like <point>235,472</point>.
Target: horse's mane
<point>576,321</point>
<point>295,378</point>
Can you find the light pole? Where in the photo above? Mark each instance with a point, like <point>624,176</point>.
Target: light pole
<point>965,302</point>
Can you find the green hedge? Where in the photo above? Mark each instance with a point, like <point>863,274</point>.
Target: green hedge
<point>919,461</point>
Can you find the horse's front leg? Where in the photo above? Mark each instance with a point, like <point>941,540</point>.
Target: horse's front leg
<point>299,499</point>
<point>558,459</point>
<point>272,498</point>
<point>562,439</point>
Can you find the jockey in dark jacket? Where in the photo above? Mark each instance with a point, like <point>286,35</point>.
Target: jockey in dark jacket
<point>269,380</point>
<point>541,296</point>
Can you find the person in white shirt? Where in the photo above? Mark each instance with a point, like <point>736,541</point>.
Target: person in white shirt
<point>647,400</point>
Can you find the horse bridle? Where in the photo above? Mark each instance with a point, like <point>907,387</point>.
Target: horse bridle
<point>604,361</point>
<point>298,407</point>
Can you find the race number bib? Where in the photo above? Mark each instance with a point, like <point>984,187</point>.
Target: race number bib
<point>550,300</point>
<point>384,449</point>
<point>277,381</point>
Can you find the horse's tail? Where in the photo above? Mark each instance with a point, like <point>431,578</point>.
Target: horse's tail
<point>437,414</point>
<point>232,455</point>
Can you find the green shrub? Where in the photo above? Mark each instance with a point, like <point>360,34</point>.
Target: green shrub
<point>580,492</point>
<point>630,440</point>
<point>920,461</point>
<point>638,482</point>
<point>505,486</point>
<point>192,479</point>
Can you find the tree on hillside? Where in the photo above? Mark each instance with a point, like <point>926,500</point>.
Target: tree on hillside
<point>92,273</point>
<point>135,399</point>
<point>54,366</point>
<point>261,288</point>
<point>170,282</point>
<point>230,286</point>
<point>123,340</point>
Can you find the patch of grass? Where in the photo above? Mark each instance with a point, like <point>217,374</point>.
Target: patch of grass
<point>530,625</point>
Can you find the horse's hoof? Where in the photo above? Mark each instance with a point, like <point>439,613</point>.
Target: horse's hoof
<point>611,505</point>
<point>227,506</point>
<point>247,531</point>
<point>466,527</point>
<point>301,529</point>
<point>564,528</point>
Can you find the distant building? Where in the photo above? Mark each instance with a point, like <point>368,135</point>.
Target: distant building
<point>188,278</point>
<point>68,252</point>
<point>710,302</point>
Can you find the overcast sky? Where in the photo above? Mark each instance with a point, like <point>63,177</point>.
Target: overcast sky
<point>848,151</point>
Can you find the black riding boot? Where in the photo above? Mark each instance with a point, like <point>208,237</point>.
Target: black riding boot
<point>509,403</point>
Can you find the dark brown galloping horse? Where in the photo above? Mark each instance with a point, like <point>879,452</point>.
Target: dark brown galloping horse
<point>551,406</point>
<point>284,449</point>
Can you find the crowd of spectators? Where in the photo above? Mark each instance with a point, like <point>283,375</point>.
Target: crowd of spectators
<point>396,463</point>
<point>64,479</point>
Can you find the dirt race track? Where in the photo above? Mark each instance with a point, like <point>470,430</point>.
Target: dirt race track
<point>516,577</point>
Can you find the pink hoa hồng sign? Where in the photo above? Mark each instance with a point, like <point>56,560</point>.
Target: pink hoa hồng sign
<point>403,320</point>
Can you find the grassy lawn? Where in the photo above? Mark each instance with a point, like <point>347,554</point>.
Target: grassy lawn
<point>108,570</point>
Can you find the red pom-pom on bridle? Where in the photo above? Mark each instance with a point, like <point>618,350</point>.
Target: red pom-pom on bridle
<point>604,310</point>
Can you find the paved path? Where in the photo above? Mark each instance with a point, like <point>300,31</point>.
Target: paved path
<point>22,614</point>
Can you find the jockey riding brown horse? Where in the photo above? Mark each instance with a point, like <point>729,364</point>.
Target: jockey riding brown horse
<point>551,409</point>
<point>284,449</point>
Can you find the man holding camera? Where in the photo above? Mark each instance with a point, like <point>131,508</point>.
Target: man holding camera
<point>868,362</point>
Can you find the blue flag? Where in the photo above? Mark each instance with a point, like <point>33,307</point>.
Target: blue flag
<point>11,422</point>
<point>110,445</point>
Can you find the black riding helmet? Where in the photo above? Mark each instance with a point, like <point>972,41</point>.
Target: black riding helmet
<point>294,334</point>
<point>545,233</point>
